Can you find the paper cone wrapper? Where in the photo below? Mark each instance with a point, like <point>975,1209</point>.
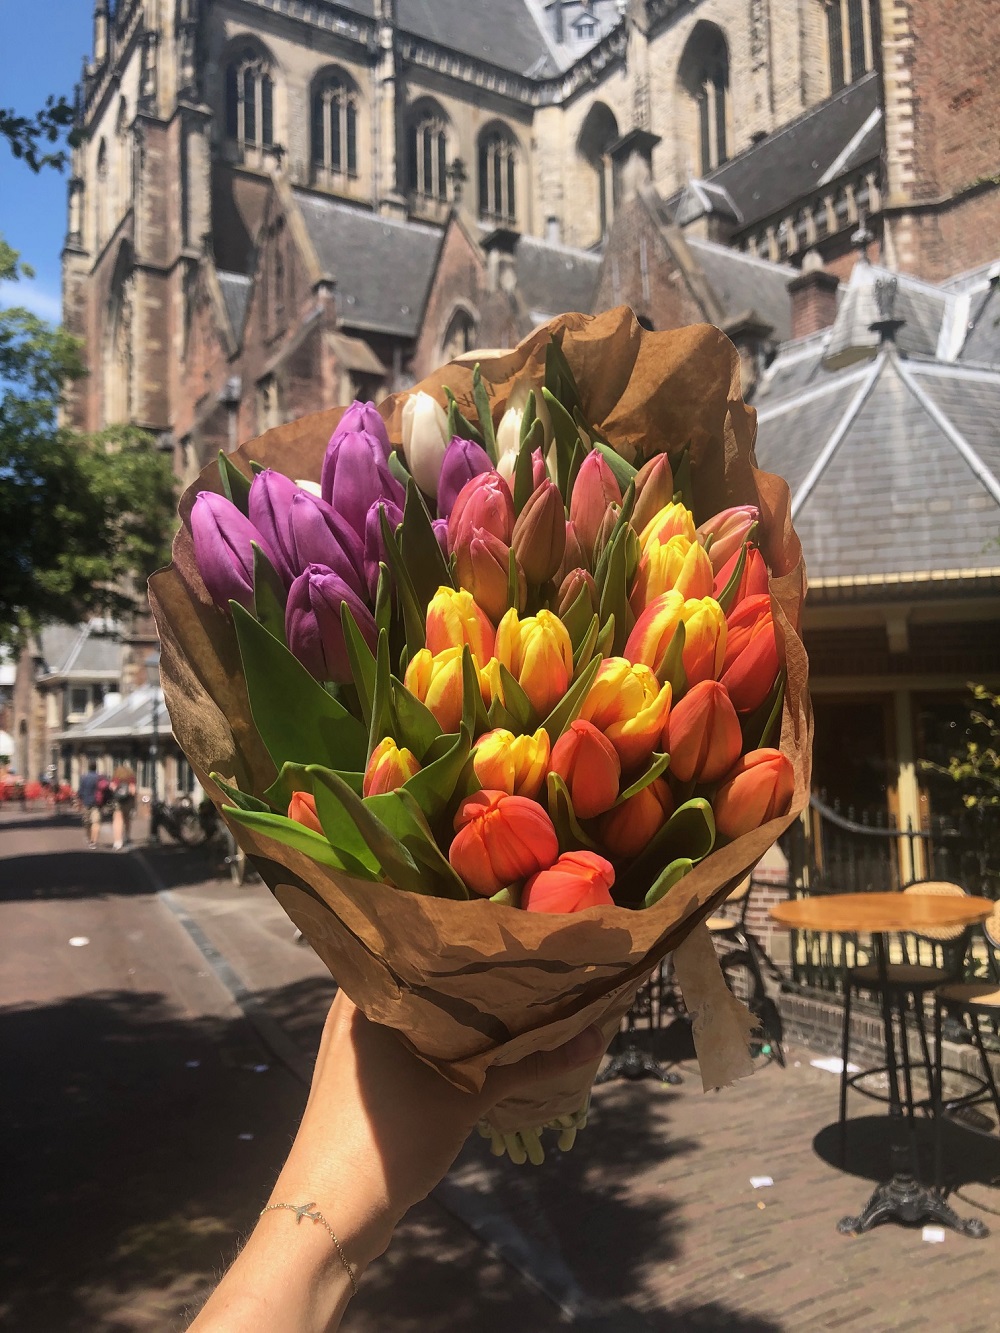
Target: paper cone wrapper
<point>471,984</point>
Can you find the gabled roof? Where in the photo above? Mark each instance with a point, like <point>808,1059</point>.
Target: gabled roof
<point>553,279</point>
<point>80,652</point>
<point>894,468</point>
<point>744,283</point>
<point>381,267</point>
<point>923,308</point>
<point>506,33</point>
<point>122,717</point>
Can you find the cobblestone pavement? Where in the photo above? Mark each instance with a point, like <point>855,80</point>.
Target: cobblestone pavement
<point>145,1112</point>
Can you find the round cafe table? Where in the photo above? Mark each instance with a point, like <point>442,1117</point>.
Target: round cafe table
<point>902,1198</point>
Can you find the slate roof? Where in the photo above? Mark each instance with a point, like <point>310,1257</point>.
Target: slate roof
<point>80,652</point>
<point>821,145</point>
<point>982,341</point>
<point>235,289</point>
<point>122,717</point>
<point>504,33</point>
<point>553,279</point>
<point>894,468</point>
<point>743,283</point>
<point>382,267</point>
<point>925,309</point>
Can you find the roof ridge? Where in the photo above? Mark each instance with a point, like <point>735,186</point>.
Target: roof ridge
<point>839,431</point>
<point>979,470</point>
<point>838,379</point>
<point>745,255</point>
<point>558,246</point>
<point>357,210</point>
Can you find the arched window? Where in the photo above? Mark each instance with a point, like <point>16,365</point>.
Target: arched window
<point>704,76</point>
<point>118,342</point>
<point>101,196</point>
<point>428,145</point>
<point>460,335</point>
<point>851,32</point>
<point>335,127</point>
<point>497,175</point>
<point>598,133</point>
<point>250,99</point>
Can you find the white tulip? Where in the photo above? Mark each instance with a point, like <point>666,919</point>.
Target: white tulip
<point>425,438</point>
<point>509,430</point>
<point>313,487</point>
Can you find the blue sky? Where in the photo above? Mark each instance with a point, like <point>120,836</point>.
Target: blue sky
<point>41,49</point>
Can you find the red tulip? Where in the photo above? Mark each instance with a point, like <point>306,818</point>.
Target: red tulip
<point>594,492</point>
<point>501,840</point>
<point>578,880</point>
<point>539,537</point>
<point>388,768</point>
<point>302,808</point>
<point>702,735</point>
<point>753,580</point>
<point>483,502</point>
<point>588,764</point>
<point>758,789</point>
<point>628,828</point>
<point>750,666</point>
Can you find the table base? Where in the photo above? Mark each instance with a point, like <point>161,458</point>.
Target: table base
<point>904,1199</point>
<point>633,1063</point>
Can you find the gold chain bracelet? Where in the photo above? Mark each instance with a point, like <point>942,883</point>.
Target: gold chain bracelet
<point>302,1210</point>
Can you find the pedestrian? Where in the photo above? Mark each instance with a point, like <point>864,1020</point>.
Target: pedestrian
<point>90,795</point>
<point>122,805</point>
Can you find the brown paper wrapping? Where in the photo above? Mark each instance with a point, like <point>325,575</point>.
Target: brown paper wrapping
<point>470,984</point>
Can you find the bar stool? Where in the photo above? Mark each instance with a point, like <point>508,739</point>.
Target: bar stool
<point>743,949</point>
<point>909,983</point>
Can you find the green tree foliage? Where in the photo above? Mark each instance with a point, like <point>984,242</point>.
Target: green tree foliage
<point>975,769</point>
<point>29,137</point>
<point>83,519</point>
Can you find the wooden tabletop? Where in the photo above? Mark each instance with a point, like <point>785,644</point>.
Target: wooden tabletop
<point>880,912</point>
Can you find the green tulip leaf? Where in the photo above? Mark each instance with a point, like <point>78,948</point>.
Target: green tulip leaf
<point>728,593</point>
<point>606,639</point>
<point>578,616</point>
<point>256,468</point>
<point>585,651</point>
<point>434,786</point>
<point>422,555</point>
<point>300,839</point>
<point>513,582</point>
<point>559,378</point>
<point>297,720</point>
<point>416,726</point>
<point>571,836</point>
<point>671,667</point>
<point>398,468</point>
<point>401,816</point>
<point>623,472</point>
<point>689,832</point>
<point>567,710</point>
<point>565,437</point>
<point>528,417</point>
<point>508,897</point>
<point>499,716</point>
<point>762,727</point>
<point>413,614</point>
<point>683,488</point>
<point>658,766</point>
<point>458,423</point>
<point>667,878</point>
<point>296,777</point>
<point>362,661</point>
<point>241,799</point>
<point>517,702</point>
<point>614,592</point>
<point>576,458</point>
<point>383,599</point>
<point>269,595</point>
<point>354,824</point>
<point>474,718</point>
<point>485,414</point>
<point>235,486</point>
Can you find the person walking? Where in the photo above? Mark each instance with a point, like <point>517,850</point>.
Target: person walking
<point>90,794</point>
<point>122,805</point>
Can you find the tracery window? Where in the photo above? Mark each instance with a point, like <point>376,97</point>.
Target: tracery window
<point>250,100</point>
<point>460,336</point>
<point>850,41</point>
<point>428,143</point>
<point>497,176</point>
<point>335,127</point>
<point>597,137</point>
<point>704,73</point>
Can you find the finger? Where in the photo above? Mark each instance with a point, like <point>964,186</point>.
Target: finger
<point>540,1066</point>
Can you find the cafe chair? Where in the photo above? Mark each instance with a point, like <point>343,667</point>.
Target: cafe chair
<point>740,948</point>
<point>929,960</point>
<point>972,1002</point>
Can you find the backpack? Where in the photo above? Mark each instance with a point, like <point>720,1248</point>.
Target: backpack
<point>101,795</point>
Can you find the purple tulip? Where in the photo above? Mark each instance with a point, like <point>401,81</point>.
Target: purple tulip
<point>440,526</point>
<point>271,496</point>
<point>222,535</point>
<point>355,475</point>
<point>319,536</point>
<point>363,417</point>
<point>313,624</point>
<point>463,460</point>
<point>374,545</point>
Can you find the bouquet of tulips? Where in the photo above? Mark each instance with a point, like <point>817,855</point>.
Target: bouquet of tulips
<point>491,653</point>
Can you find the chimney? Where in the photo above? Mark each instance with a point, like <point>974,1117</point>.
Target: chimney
<point>814,297</point>
<point>100,32</point>
<point>500,247</point>
<point>552,230</point>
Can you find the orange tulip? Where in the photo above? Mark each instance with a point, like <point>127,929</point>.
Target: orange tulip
<point>702,735</point>
<point>578,880</point>
<point>654,629</point>
<point>302,808</point>
<point>678,564</point>
<point>454,618</point>
<point>436,680</point>
<point>673,520</point>
<point>705,639</point>
<point>629,705</point>
<point>538,653</point>
<point>587,763</point>
<point>758,789</point>
<point>628,828</point>
<point>750,666</point>
<point>501,840</point>
<point>388,768</point>
<point>514,764</point>
<point>753,580</point>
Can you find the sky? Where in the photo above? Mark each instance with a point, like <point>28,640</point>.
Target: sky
<point>42,45</point>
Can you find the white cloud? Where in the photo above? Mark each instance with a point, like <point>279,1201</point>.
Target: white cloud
<point>41,302</point>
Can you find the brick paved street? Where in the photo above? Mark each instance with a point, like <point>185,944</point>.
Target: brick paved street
<point>133,1082</point>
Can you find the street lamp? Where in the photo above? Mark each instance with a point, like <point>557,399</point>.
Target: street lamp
<point>152,665</point>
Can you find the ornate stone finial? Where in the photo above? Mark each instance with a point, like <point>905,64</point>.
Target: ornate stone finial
<point>861,239</point>
<point>886,326</point>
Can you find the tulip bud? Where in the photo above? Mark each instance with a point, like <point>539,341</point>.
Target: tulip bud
<point>673,520</point>
<point>388,768</point>
<point>628,829</point>
<point>514,764</point>
<point>425,439</point>
<point>508,433</point>
<point>270,504</point>
<point>728,530</point>
<point>573,557</point>
<point>463,460</point>
<point>588,764</point>
<point>570,588</point>
<point>483,502</point>
<point>501,840</point>
<point>608,523</point>
<point>440,527</point>
<point>436,680</point>
<point>654,489</point>
<point>576,881</point>
<point>453,618</point>
<point>677,564</point>
<point>758,789</point>
<point>753,579</point>
<point>704,639</point>
<point>222,535</point>
<point>750,666</point>
<point>320,536</point>
<point>482,566</point>
<point>594,492</point>
<point>366,417</point>
<point>313,625</point>
<point>628,704</point>
<point>302,808</point>
<point>702,735</point>
<point>374,541</point>
<point>655,628</point>
<point>356,475</point>
<point>539,535</point>
<point>538,653</point>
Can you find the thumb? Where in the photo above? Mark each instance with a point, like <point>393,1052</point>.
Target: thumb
<point>540,1066</point>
